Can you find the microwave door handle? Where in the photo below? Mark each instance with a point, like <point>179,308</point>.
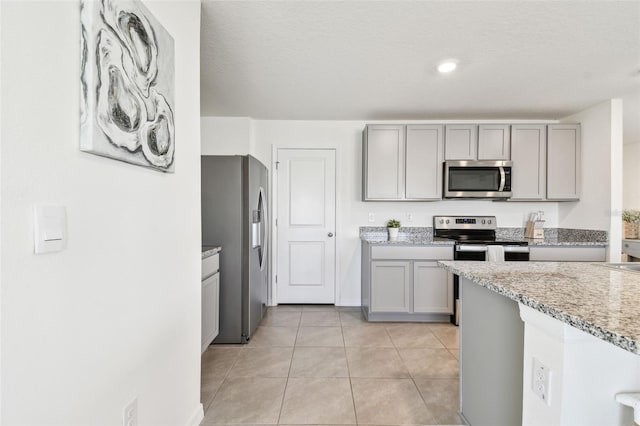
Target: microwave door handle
<point>503,179</point>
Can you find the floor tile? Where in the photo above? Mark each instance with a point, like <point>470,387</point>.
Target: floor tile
<point>217,361</point>
<point>413,336</point>
<point>318,308</point>
<point>281,318</point>
<point>449,336</point>
<point>442,399</point>
<point>247,400</point>
<point>320,336</point>
<point>208,390</point>
<point>352,318</point>
<point>455,353</point>
<point>375,362</point>
<point>290,308</point>
<point>318,401</point>
<point>389,401</point>
<point>273,336</point>
<point>430,363</point>
<point>319,362</point>
<point>320,318</point>
<point>367,336</point>
<point>262,362</point>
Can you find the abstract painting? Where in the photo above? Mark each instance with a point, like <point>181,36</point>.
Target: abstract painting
<point>126,84</point>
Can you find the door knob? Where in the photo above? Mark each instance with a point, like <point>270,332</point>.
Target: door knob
<point>330,234</point>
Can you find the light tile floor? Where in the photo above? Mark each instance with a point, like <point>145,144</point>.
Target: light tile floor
<point>324,365</point>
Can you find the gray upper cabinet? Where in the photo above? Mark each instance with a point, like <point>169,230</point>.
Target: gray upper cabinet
<point>529,156</point>
<point>395,168</point>
<point>461,142</point>
<point>424,157</point>
<point>383,162</point>
<point>564,159</point>
<point>494,142</point>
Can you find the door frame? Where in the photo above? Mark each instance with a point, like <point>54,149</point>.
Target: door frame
<point>272,299</point>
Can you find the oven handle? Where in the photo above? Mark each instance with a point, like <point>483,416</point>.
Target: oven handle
<point>480,248</point>
<point>503,179</point>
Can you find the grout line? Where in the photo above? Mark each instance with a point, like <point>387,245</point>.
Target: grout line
<point>224,379</point>
<point>353,398</point>
<point>286,383</point>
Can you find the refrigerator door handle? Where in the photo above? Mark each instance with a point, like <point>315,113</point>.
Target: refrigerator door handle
<point>255,235</point>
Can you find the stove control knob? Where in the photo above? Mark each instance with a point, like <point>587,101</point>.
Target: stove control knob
<point>489,221</point>
<point>441,221</point>
<point>447,221</point>
<point>483,221</point>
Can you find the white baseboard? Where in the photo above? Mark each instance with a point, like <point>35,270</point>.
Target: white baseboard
<point>197,416</point>
<point>354,303</point>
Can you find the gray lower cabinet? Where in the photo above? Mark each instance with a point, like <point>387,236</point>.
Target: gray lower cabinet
<point>432,288</point>
<point>390,286</point>
<point>405,283</point>
<point>568,254</point>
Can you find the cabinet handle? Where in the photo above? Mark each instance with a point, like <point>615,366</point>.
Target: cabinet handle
<point>330,234</point>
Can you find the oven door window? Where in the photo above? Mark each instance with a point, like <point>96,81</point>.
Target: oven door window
<point>474,179</point>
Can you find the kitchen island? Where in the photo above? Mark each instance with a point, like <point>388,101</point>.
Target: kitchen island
<point>562,338</point>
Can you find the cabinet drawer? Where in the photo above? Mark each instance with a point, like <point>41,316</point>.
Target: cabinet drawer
<point>419,253</point>
<point>567,254</point>
<point>210,265</point>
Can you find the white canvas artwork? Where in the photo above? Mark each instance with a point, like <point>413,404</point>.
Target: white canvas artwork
<point>127,84</point>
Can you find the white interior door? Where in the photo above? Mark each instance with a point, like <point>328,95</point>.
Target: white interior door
<point>306,216</point>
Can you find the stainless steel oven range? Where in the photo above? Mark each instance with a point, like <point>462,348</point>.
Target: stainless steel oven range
<point>472,235</point>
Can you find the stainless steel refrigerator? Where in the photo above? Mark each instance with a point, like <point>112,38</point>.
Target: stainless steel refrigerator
<point>234,216</point>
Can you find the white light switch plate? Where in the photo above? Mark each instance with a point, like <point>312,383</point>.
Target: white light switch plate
<point>50,228</point>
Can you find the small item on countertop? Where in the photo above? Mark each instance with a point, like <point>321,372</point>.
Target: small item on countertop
<point>535,225</point>
<point>393,226</point>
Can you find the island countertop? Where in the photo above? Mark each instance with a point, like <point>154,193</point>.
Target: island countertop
<point>595,299</point>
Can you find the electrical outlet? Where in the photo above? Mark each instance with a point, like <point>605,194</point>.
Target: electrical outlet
<point>372,217</point>
<point>541,381</point>
<point>130,413</point>
<point>409,217</point>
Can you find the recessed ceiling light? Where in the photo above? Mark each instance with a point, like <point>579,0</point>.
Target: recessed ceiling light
<point>447,66</point>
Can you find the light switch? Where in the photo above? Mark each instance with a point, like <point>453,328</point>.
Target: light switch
<point>50,228</point>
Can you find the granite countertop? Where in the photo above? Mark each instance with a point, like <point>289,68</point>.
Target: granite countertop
<point>407,240</point>
<point>208,251</point>
<point>595,299</point>
<point>552,237</point>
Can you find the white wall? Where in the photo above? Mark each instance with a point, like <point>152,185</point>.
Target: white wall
<point>117,314</point>
<point>346,138</point>
<point>631,179</point>
<point>600,202</point>
<point>226,135</point>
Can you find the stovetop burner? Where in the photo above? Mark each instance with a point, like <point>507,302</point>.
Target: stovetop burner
<point>471,230</point>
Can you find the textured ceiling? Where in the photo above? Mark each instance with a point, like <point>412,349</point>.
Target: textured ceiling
<point>343,60</point>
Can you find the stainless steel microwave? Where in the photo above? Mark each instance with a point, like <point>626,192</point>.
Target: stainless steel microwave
<point>477,179</point>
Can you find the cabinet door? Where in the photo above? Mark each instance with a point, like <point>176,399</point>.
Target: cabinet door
<point>460,142</point>
<point>424,157</point>
<point>383,162</point>
<point>390,286</point>
<point>494,142</point>
<point>210,308</point>
<point>563,162</point>
<point>529,156</point>
<point>432,289</point>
